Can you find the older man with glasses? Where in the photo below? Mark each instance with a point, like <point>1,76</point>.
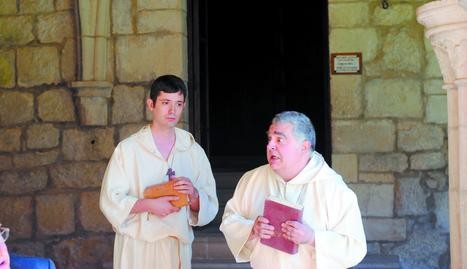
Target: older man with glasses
<point>4,256</point>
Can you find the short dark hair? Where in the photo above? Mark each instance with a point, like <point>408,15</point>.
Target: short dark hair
<point>169,84</point>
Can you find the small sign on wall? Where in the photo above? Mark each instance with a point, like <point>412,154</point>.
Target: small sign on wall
<point>346,63</point>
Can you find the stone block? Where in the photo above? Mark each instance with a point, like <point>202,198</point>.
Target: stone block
<point>416,136</point>
<point>376,177</point>
<point>410,197</point>
<point>348,40</point>
<point>68,60</point>
<point>442,211</point>
<point>428,161</point>
<point>161,4</point>
<point>55,27</point>
<point>56,105</point>
<point>16,107</point>
<point>55,214</point>
<point>23,182</point>
<point>122,17</point>
<point>6,162</point>
<point>172,21</point>
<point>10,139</point>
<point>90,144</point>
<point>46,64</point>
<point>348,14</point>
<point>346,165</point>
<point>403,50</point>
<point>17,214</point>
<point>34,159</point>
<point>36,6</point>
<point>27,248</point>
<point>90,216</point>
<point>433,86</point>
<point>432,69</point>
<point>7,68</point>
<point>129,129</point>
<point>8,7</point>
<point>388,162</point>
<point>93,111</point>
<point>128,104</point>
<point>346,96</point>
<point>385,229</point>
<point>399,98</point>
<point>64,4</point>
<point>436,110</point>
<point>78,175</point>
<point>42,136</point>
<point>16,30</point>
<point>398,14</point>
<point>352,136</point>
<point>375,200</point>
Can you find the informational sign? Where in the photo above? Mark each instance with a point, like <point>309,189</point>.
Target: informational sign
<point>348,63</point>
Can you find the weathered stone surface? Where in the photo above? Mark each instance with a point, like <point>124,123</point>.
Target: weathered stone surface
<point>23,182</point>
<point>436,110</point>
<point>93,111</point>
<point>427,161</point>
<point>129,129</point>
<point>10,139</point>
<point>432,69</point>
<point>64,4</point>
<point>36,6</point>
<point>375,200</point>
<point>390,162</point>
<point>348,14</point>
<point>128,104</point>
<point>423,248</point>
<point>161,4</point>
<point>91,144</point>
<point>397,14</point>
<point>121,17</point>
<point>16,107</point>
<point>363,136</point>
<point>385,229</point>
<point>433,86</point>
<point>27,248</point>
<point>7,68</point>
<point>400,98</point>
<point>7,7</point>
<point>46,66</point>
<point>6,163</point>
<point>410,197</point>
<point>346,165</point>
<point>41,136</point>
<point>16,30</point>
<point>442,210</point>
<point>346,96</point>
<point>415,136</point>
<point>55,214</point>
<point>161,21</point>
<point>376,177</point>
<point>56,105</point>
<point>68,60</point>
<point>440,179</point>
<point>78,174</point>
<point>345,40</point>
<point>34,159</point>
<point>87,252</point>
<point>402,50</point>
<point>17,214</point>
<point>90,216</point>
<point>55,27</point>
<point>143,57</point>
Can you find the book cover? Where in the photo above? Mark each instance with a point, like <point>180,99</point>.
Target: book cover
<point>166,189</point>
<point>278,211</point>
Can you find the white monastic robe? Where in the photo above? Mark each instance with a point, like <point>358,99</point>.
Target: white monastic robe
<point>330,209</point>
<point>144,240</point>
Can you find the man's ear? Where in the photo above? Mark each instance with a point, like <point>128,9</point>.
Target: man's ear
<point>150,103</point>
<point>306,145</point>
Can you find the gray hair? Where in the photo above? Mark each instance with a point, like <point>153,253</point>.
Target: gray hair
<point>302,127</point>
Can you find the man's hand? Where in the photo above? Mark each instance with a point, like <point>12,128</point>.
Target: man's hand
<point>184,185</point>
<point>160,207</point>
<point>262,229</point>
<point>298,233</point>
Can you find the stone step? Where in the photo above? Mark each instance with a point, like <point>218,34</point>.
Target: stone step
<point>218,264</point>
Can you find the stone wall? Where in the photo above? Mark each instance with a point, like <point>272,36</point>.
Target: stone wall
<point>389,130</point>
<point>52,154</point>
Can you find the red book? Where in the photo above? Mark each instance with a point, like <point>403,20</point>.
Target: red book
<point>278,211</point>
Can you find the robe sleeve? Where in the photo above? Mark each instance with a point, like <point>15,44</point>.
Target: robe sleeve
<point>343,245</point>
<point>114,202</point>
<point>206,186</point>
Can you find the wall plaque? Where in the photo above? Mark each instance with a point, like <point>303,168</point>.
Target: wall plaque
<point>348,63</point>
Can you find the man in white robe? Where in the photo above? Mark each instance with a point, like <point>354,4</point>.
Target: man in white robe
<point>331,234</point>
<point>152,233</point>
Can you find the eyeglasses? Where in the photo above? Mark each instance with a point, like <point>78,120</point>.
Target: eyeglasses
<point>4,232</point>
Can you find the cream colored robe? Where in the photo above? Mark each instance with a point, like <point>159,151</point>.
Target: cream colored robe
<point>143,239</point>
<point>330,209</point>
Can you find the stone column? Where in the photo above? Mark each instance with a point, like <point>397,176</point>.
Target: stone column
<point>94,87</point>
<point>446,26</point>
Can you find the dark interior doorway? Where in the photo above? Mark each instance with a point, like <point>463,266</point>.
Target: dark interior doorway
<point>249,62</point>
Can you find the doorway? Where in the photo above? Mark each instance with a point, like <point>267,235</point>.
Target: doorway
<point>249,62</point>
